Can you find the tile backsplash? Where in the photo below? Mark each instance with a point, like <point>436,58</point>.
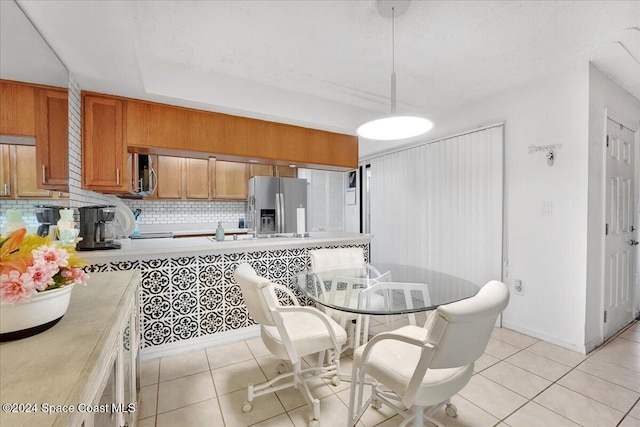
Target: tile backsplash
<point>186,212</point>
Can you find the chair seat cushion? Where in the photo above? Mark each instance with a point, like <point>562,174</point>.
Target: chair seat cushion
<point>393,362</point>
<point>307,333</point>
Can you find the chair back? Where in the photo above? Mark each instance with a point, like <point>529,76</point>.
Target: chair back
<point>336,259</point>
<point>257,293</point>
<point>462,329</point>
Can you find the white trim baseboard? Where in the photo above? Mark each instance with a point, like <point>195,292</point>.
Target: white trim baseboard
<point>199,343</point>
<point>552,340</point>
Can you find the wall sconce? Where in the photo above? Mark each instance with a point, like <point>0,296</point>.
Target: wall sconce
<point>547,149</point>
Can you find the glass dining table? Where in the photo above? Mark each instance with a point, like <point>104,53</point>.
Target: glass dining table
<point>353,294</point>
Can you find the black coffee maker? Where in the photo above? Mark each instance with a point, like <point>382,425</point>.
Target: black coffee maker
<point>97,228</point>
<point>47,215</point>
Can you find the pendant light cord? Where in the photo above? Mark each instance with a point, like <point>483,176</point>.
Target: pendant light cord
<point>393,61</point>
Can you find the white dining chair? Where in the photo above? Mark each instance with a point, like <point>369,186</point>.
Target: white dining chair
<point>417,370</point>
<point>289,333</point>
<point>355,275</point>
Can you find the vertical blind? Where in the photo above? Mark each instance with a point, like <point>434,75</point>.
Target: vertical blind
<point>325,199</point>
<point>440,206</point>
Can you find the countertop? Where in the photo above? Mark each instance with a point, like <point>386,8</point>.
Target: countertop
<point>55,367</point>
<point>189,246</point>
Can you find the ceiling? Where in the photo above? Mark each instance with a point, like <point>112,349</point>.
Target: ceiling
<point>327,64</point>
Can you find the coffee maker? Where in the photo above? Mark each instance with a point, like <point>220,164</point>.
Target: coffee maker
<point>47,215</point>
<point>97,228</point>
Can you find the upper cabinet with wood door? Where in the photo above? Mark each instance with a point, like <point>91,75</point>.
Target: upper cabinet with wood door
<point>230,180</point>
<point>182,178</point>
<point>52,145</point>
<point>17,109</point>
<point>104,154</point>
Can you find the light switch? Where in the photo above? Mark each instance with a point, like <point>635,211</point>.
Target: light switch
<point>547,209</point>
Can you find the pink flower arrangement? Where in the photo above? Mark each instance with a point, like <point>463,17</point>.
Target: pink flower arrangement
<point>30,264</point>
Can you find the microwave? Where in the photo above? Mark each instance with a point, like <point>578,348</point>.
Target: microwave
<point>144,178</point>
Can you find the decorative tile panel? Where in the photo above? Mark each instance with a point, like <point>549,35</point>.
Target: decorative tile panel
<point>187,297</point>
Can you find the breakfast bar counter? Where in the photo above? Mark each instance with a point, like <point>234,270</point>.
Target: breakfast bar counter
<point>188,296</point>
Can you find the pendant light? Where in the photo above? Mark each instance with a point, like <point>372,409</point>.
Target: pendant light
<point>394,126</point>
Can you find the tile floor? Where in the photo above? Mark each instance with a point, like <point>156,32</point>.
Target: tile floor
<point>519,381</point>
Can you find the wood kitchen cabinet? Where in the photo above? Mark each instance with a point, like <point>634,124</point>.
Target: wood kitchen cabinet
<point>17,109</point>
<point>182,178</point>
<point>19,175</point>
<point>52,145</point>
<point>268,170</point>
<point>104,154</point>
<point>230,180</point>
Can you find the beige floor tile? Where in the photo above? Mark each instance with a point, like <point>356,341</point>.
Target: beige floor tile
<point>559,354</point>
<point>333,412</point>
<point>148,401</point>
<point>619,352</point>
<point>516,379</point>
<point>183,365</point>
<point>631,335</point>
<point>635,411</point>
<point>538,365</point>
<point>149,372</point>
<point>264,407</point>
<point>147,422</point>
<point>635,326</point>
<point>237,377</point>
<point>608,371</point>
<point>346,365</point>
<point>292,397</point>
<point>495,399</point>
<point>578,408</point>
<point>205,413</point>
<point>185,391</point>
<point>372,416</point>
<point>624,346</point>
<point>630,422</point>
<point>279,421</point>
<point>391,422</point>
<point>500,349</point>
<point>533,414</point>
<point>257,347</point>
<point>228,354</point>
<point>469,415</point>
<point>269,365</point>
<point>598,389</point>
<point>512,337</point>
<point>484,362</point>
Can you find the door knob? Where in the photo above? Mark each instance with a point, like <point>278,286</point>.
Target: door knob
<point>633,242</point>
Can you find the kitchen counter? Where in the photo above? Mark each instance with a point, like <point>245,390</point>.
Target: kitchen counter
<point>62,365</point>
<point>162,247</point>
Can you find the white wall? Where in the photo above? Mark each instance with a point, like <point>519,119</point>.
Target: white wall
<point>603,93</point>
<point>548,253</point>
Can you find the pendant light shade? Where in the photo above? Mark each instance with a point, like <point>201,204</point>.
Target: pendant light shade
<point>394,126</point>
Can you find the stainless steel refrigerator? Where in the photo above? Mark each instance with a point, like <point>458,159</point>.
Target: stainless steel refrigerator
<point>273,202</point>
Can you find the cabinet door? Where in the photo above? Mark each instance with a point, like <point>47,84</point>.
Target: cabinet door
<point>6,189</point>
<point>103,151</point>
<point>260,170</point>
<point>230,180</point>
<point>197,178</point>
<point>169,170</point>
<point>286,171</point>
<point>52,138</point>
<point>26,175</point>
<point>17,109</point>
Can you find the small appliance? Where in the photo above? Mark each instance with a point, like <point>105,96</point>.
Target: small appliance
<point>97,228</point>
<point>47,215</point>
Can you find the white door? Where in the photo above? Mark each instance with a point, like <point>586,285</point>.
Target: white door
<point>619,240</point>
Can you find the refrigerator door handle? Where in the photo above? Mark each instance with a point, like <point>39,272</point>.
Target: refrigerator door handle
<point>282,223</point>
<point>278,213</point>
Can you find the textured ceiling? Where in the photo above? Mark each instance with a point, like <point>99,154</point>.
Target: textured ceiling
<point>327,64</point>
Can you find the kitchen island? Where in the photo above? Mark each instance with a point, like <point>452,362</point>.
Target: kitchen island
<point>188,297</point>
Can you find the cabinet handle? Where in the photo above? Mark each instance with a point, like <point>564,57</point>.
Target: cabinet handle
<point>44,174</point>
<point>6,189</point>
<point>117,176</point>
